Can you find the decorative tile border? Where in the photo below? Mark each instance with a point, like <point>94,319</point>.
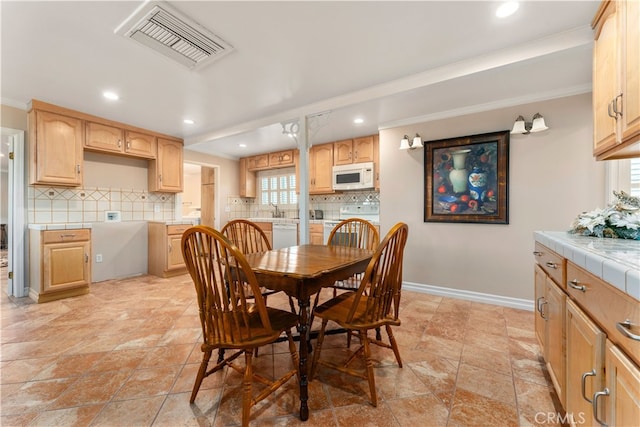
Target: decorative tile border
<point>61,205</point>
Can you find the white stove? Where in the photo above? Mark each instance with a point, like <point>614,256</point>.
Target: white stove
<point>368,212</point>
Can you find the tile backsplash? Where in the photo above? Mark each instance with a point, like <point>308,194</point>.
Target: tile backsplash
<point>242,207</point>
<point>48,205</point>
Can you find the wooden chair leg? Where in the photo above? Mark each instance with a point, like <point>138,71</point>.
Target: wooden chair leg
<point>394,345</point>
<point>316,353</point>
<point>201,374</point>
<point>369,368</point>
<point>246,388</point>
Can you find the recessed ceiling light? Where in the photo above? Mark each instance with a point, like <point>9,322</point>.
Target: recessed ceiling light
<point>507,9</point>
<point>188,121</point>
<point>242,145</point>
<point>111,95</point>
<point>358,120</point>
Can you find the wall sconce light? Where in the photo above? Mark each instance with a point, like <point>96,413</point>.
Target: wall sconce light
<point>406,144</point>
<point>537,125</point>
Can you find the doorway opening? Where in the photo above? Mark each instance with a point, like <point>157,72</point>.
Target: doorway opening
<point>199,200</point>
<point>13,213</point>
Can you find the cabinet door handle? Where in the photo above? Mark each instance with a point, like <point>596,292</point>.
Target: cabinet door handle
<point>592,373</point>
<point>625,327</point>
<point>128,145</point>
<point>170,247</point>
<point>539,304</point>
<point>551,265</point>
<point>78,169</point>
<point>86,258</point>
<point>617,113</point>
<point>610,111</point>
<point>594,405</point>
<point>542,311</point>
<point>160,178</point>
<point>119,143</point>
<point>537,253</point>
<point>356,154</point>
<point>574,285</point>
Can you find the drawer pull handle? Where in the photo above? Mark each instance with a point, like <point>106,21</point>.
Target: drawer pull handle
<point>574,285</point>
<point>594,405</point>
<point>537,253</point>
<point>584,379</point>
<point>624,328</point>
<point>70,236</point>
<point>551,265</point>
<point>539,304</point>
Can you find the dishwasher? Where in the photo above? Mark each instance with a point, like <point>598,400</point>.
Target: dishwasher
<point>284,235</point>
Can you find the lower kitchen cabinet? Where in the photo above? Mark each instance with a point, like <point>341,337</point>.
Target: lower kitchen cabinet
<point>549,327</point>
<point>622,394</point>
<point>165,253</point>
<point>316,234</point>
<point>597,377</point>
<point>60,263</point>
<point>585,366</point>
<point>267,227</point>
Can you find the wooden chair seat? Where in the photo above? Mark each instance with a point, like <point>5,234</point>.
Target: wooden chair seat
<point>375,304</point>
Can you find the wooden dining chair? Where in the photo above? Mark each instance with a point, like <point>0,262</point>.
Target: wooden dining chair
<point>229,318</point>
<point>354,233</point>
<point>375,304</point>
<point>250,238</point>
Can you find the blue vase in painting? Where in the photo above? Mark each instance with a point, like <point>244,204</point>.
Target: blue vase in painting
<point>478,184</point>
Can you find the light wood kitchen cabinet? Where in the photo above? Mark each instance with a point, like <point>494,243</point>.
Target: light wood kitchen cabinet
<point>585,365</point>
<point>106,138</point>
<point>622,393</point>
<point>55,149</point>
<point>320,169</point>
<point>550,275</point>
<point>165,253</point>
<point>60,263</point>
<point>316,234</point>
<point>207,196</point>
<point>258,162</point>
<point>247,179</point>
<point>357,150</point>
<point>281,159</point>
<point>166,171</point>
<point>141,144</point>
<point>616,80</point>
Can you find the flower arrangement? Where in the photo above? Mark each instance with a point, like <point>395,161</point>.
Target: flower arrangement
<point>620,220</point>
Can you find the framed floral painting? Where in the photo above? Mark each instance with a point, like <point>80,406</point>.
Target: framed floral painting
<point>466,179</point>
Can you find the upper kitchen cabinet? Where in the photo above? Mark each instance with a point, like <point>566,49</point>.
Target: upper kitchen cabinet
<point>166,171</point>
<point>616,80</point>
<point>258,162</point>
<point>281,159</point>
<point>320,168</point>
<point>140,144</point>
<point>55,148</point>
<point>247,179</point>
<point>355,150</point>
<point>107,138</point>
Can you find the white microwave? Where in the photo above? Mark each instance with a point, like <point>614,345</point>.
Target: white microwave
<point>355,176</point>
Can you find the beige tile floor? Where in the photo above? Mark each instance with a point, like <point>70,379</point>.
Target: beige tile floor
<point>127,355</point>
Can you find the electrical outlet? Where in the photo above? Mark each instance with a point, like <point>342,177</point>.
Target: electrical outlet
<point>156,208</point>
<point>98,257</point>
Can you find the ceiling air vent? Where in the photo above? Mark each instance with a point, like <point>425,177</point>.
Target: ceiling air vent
<point>165,30</point>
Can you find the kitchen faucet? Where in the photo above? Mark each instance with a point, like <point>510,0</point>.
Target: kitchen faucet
<point>277,213</point>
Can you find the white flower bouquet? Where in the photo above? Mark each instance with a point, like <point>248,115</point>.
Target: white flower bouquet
<point>620,220</point>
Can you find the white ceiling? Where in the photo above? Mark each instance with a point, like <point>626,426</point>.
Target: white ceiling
<point>390,63</point>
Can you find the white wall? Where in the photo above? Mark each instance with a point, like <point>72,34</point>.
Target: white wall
<point>552,178</point>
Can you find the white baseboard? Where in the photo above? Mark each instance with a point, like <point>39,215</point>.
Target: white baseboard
<point>518,303</point>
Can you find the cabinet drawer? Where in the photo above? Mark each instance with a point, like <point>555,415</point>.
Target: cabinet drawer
<point>177,229</point>
<point>607,306</point>
<point>552,263</point>
<point>62,236</point>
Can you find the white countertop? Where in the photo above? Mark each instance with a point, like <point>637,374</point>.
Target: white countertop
<point>62,226</point>
<point>616,261</point>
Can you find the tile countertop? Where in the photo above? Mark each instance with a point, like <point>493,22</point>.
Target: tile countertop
<point>616,261</point>
<point>69,226</point>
